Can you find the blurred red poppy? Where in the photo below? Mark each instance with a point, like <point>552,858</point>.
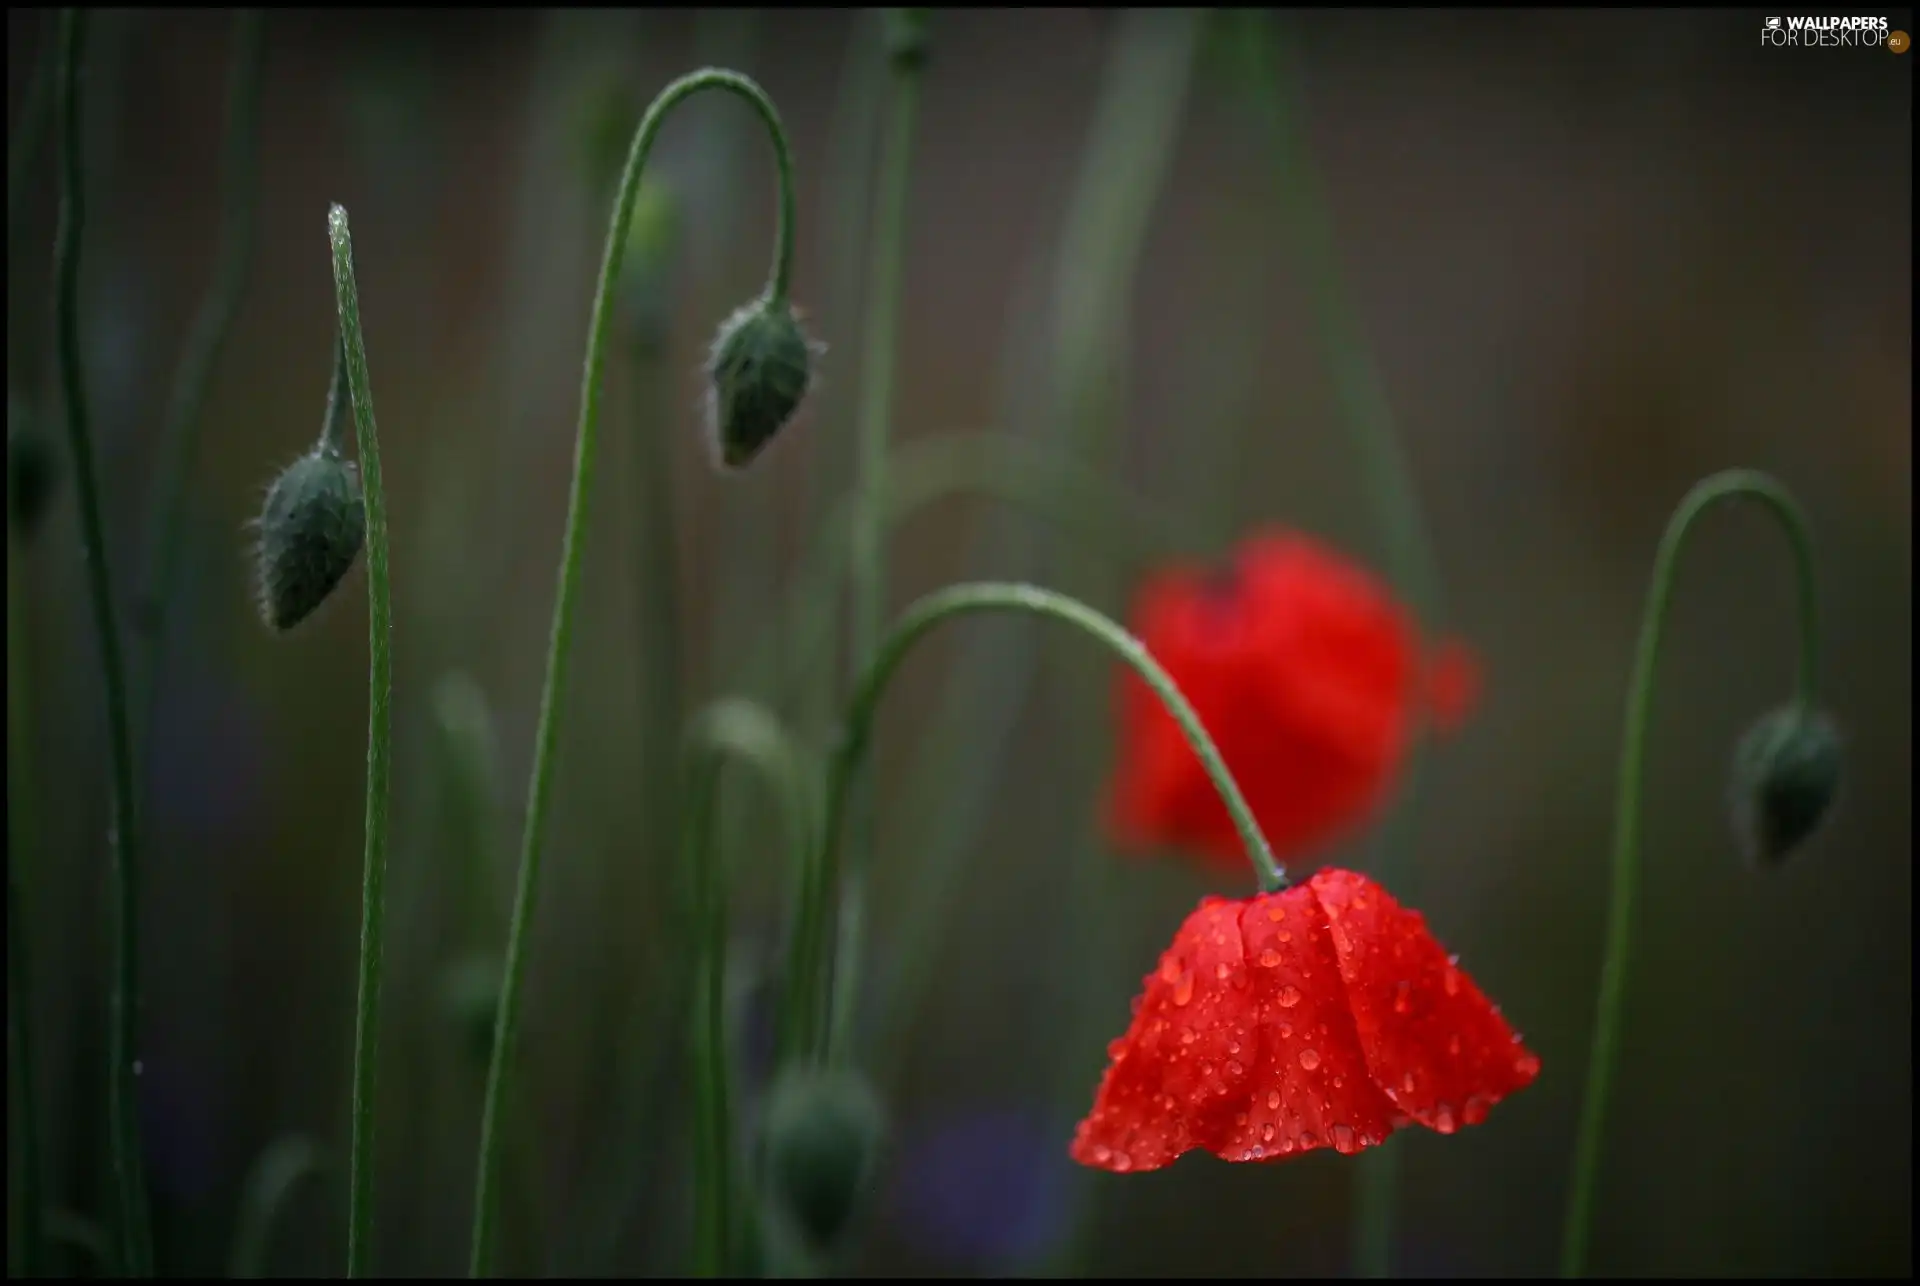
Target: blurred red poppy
<point>1304,671</point>
<point>1321,1016</point>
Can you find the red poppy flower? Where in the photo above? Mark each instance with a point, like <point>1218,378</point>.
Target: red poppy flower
<point>1304,671</point>
<point>1321,1016</point>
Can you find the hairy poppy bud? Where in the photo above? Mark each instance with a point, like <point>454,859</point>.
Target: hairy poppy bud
<point>822,1134</point>
<point>310,532</point>
<point>1786,773</point>
<point>31,470</point>
<point>760,368</point>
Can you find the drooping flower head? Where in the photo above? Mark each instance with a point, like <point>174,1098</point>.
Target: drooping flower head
<point>1321,1016</point>
<point>1304,670</point>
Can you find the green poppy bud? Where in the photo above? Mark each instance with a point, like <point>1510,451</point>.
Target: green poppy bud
<point>310,532</point>
<point>1786,772</point>
<point>759,370</point>
<point>821,1132</point>
<point>32,469</point>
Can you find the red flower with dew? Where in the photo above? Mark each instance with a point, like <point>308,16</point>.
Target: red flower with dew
<point>1321,1016</point>
<point>1304,670</point>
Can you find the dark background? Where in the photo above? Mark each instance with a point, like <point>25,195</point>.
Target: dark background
<point>1595,256</point>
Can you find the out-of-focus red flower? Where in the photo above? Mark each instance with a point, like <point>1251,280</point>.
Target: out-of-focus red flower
<point>1321,1016</point>
<point>1304,671</point>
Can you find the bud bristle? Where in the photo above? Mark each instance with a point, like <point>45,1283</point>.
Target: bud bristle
<point>758,372</point>
<point>1786,773</point>
<point>311,529</point>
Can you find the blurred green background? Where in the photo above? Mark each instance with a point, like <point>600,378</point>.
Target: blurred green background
<point>1594,255</point>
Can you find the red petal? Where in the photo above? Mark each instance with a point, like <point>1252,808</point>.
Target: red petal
<point>1310,1087</point>
<point>1180,1072</point>
<point>1434,1044</point>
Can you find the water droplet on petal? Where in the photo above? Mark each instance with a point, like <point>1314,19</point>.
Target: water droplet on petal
<point>1276,913</point>
<point>1286,1029</point>
<point>1284,936</point>
<point>1286,1146</point>
<point>1289,996</point>
<point>1266,1131</point>
<point>1453,982</point>
<point>1234,1068</point>
<point>1221,971</point>
<point>1443,1119</point>
<point>1122,1162</point>
<point>1307,1140</point>
<point>1402,1002</point>
<point>1270,958</point>
<point>1183,990</point>
<point>1273,1098</point>
<point>1233,1047</point>
<point>1406,1083</point>
<point>1343,1140</point>
<point>1102,1155</point>
<point>1239,1118</point>
<point>1309,1059</point>
<point>1339,1081</point>
<point>1188,1036</point>
<point>1258,1151</point>
<point>1169,970</point>
<point>1474,1110</point>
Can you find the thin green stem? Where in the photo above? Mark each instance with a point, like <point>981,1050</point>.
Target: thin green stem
<point>23,1186</point>
<point>180,431</point>
<point>742,730</point>
<point>936,466</point>
<point>876,405</point>
<point>1625,862</point>
<point>136,1247</point>
<point>811,973</point>
<point>271,1181</point>
<point>333,425</point>
<point>1387,476</point>
<point>547,734</point>
<point>373,898</point>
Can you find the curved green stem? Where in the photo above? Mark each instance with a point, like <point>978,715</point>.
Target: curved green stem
<point>373,897</point>
<point>876,401</point>
<point>937,466</point>
<point>810,978</point>
<point>136,1247</point>
<point>1626,814</point>
<point>180,431</point>
<point>271,1181</point>
<point>729,729</point>
<point>547,734</point>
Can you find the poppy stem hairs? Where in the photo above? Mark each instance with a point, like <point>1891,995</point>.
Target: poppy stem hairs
<point>730,729</point>
<point>810,979</point>
<point>373,898</point>
<point>135,1240</point>
<point>1726,485</point>
<point>759,372</point>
